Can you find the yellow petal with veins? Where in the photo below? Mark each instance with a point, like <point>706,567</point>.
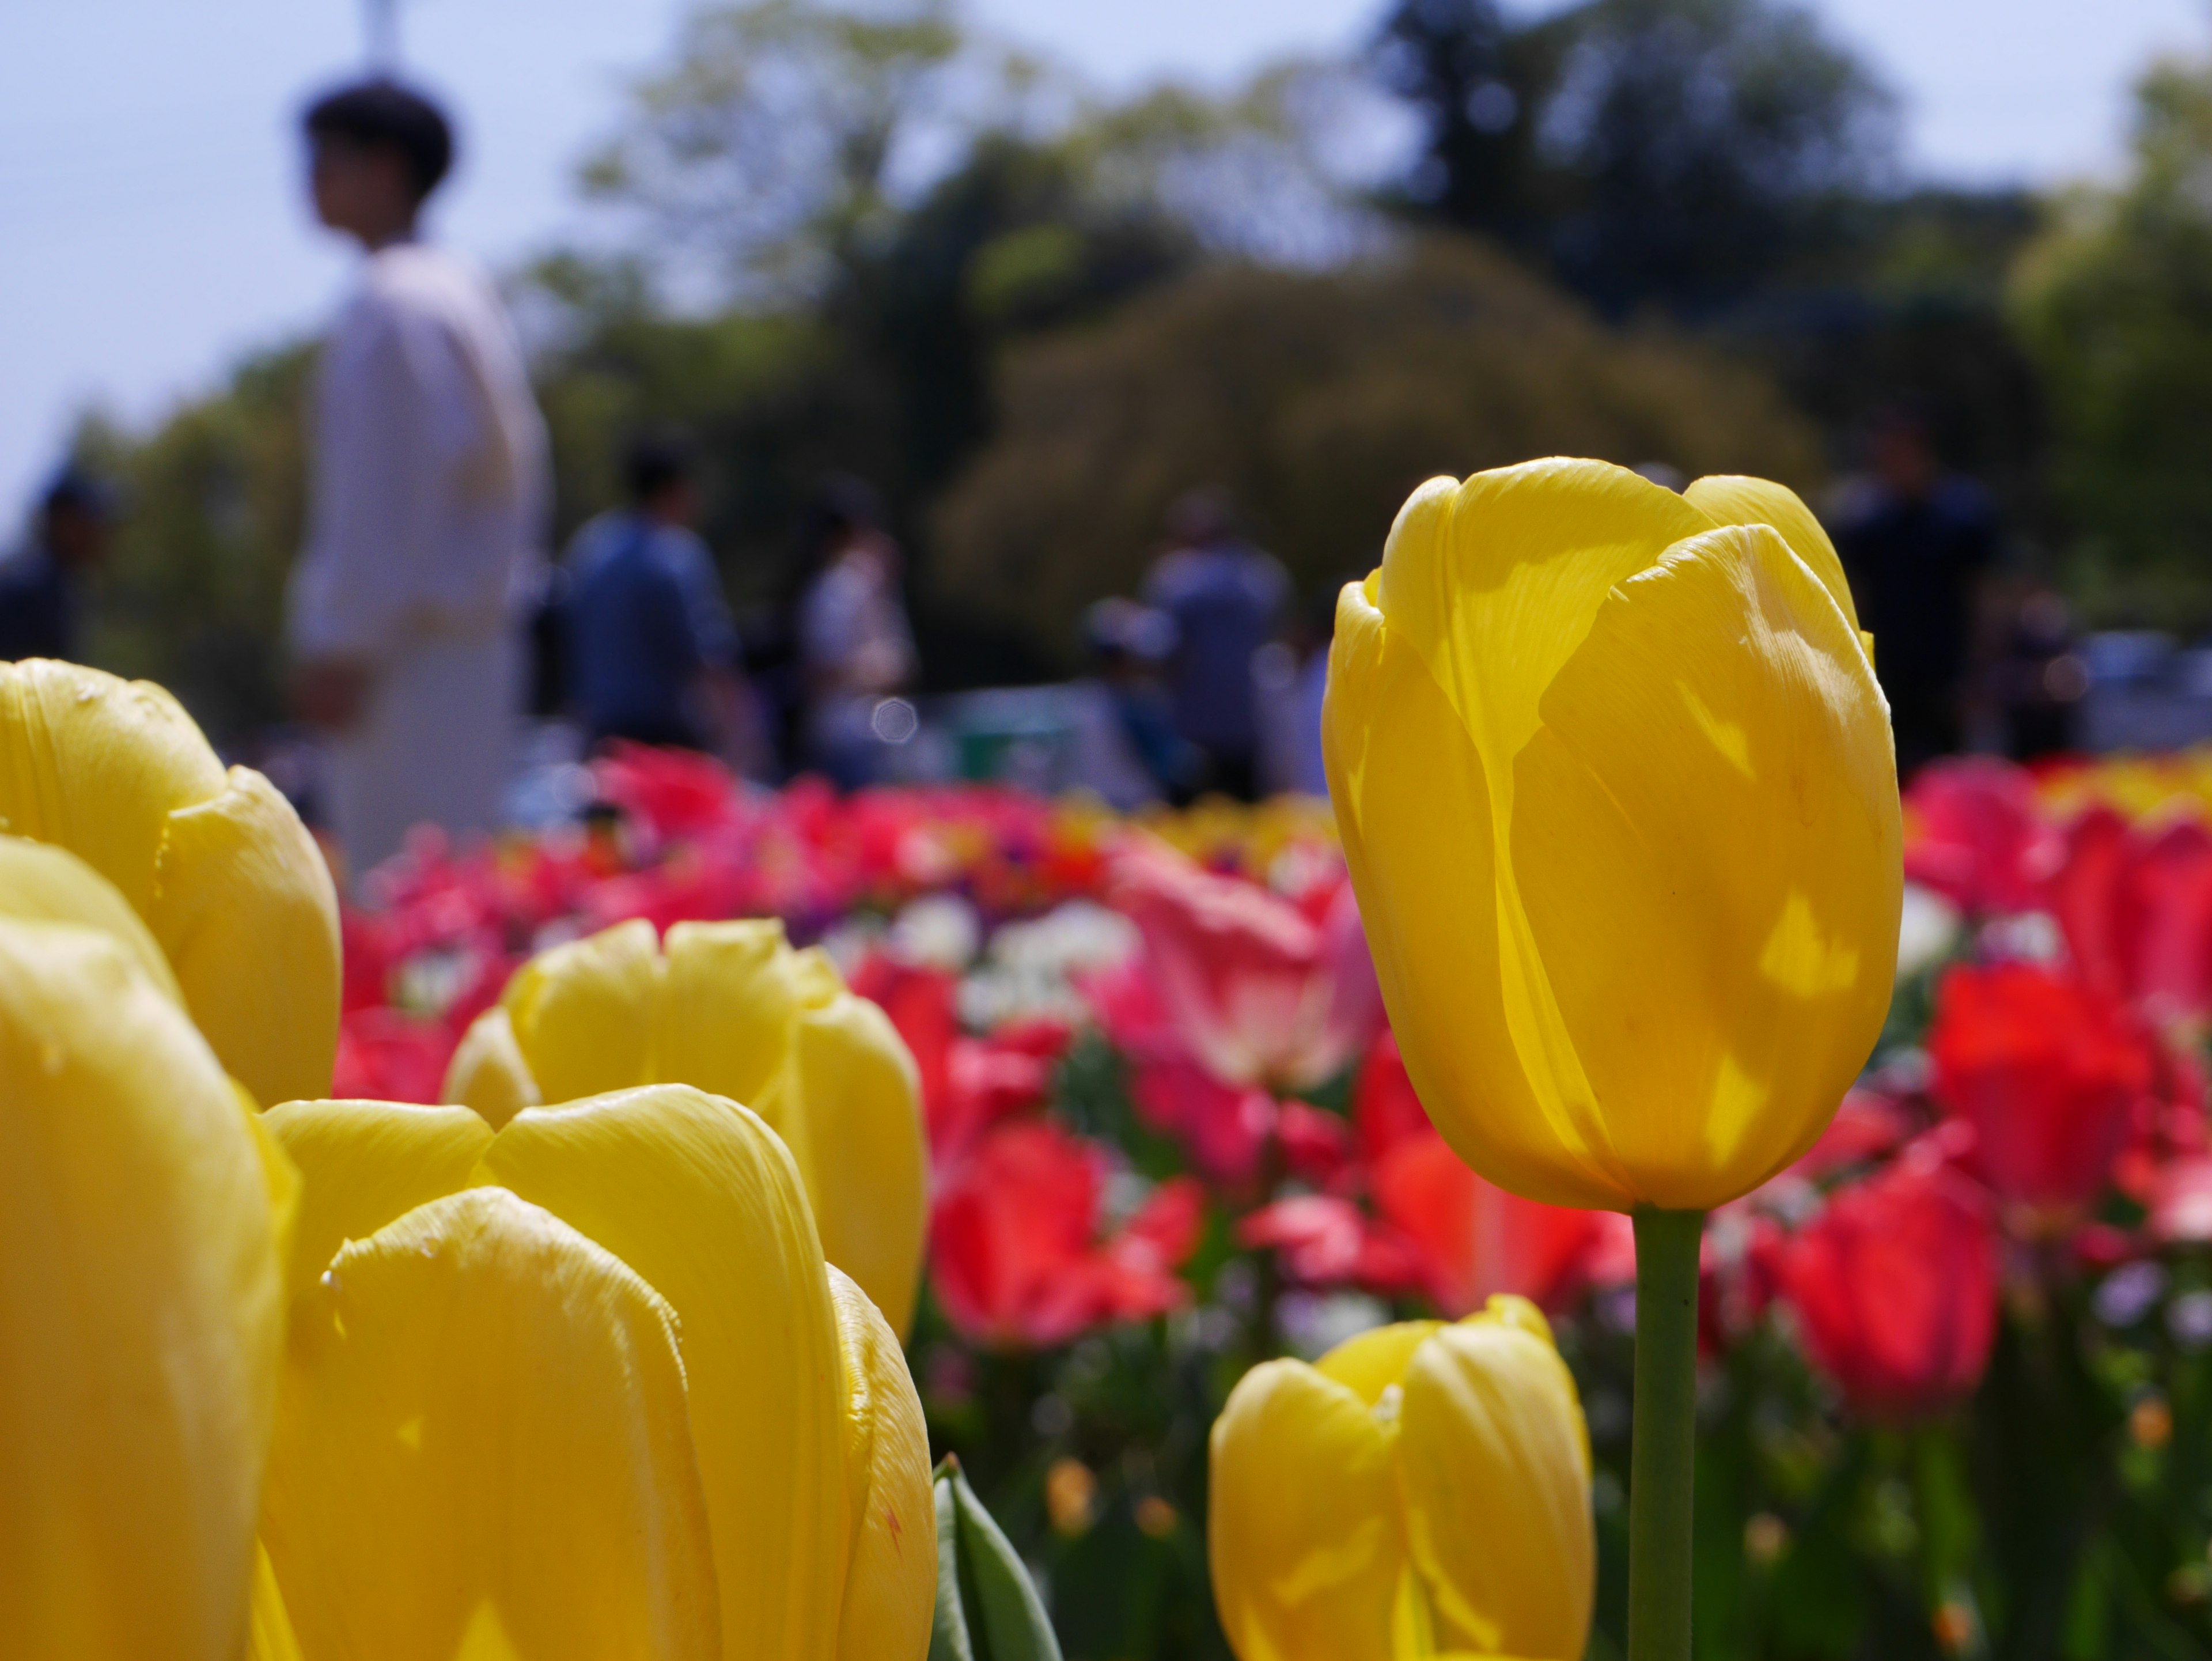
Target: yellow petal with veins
<point>363,1164</point>
<point>140,1313</point>
<point>697,1195</point>
<point>890,1553</point>
<point>484,1434</point>
<point>488,1071</point>
<point>583,1011</point>
<point>1302,1524</point>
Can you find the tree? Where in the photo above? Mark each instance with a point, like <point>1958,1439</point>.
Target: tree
<point>1320,399</point>
<point>2115,303</point>
<point>1681,152</point>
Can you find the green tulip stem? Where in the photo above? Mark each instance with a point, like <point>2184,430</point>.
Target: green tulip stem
<point>1663,1458</point>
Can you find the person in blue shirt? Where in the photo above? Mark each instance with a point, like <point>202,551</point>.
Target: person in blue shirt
<point>651,651</point>
<point>39,598</point>
<point>1226,599</point>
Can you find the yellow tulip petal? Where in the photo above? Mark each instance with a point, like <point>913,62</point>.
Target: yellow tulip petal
<point>1371,1362</point>
<point>1734,499</point>
<point>488,1071</point>
<point>1413,807</point>
<point>1707,842</point>
<point>697,1195</point>
<point>269,1628</point>
<point>890,1555</point>
<point>363,1164</point>
<point>141,1314</point>
<point>97,765</point>
<point>41,882</point>
<point>725,1011</point>
<point>483,1433</point>
<point>1302,1524</point>
<point>583,1013</point>
<point>244,907</point>
<point>1494,1466</point>
<point>849,1106</point>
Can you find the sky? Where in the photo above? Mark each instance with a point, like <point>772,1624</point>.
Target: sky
<point>152,228</point>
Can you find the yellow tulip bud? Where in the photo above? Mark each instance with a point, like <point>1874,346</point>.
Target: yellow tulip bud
<point>730,1009</point>
<point>217,864</point>
<point>585,1386</point>
<point>1619,803</point>
<point>142,1214</point>
<point>1423,1488</point>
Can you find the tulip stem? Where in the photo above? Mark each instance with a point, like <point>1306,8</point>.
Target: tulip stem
<point>1663,1451</point>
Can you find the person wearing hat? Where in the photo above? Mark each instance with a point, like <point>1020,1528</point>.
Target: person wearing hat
<point>406,612</point>
<point>39,598</point>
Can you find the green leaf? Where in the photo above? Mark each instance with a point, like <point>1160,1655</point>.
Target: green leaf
<point>987,1609</point>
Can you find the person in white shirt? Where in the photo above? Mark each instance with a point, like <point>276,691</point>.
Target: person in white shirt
<point>428,485</point>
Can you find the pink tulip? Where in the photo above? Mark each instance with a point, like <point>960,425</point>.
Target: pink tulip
<point>1976,835</point>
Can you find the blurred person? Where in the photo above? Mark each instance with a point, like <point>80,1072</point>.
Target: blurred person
<point>651,651</point>
<point>40,601</point>
<point>404,611</point>
<point>2039,680</point>
<point>1226,599</point>
<point>1918,544</point>
<point>855,646</point>
<point>1130,750</point>
<point>1293,678</point>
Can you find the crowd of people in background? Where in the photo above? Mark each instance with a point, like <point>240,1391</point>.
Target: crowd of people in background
<point>425,616</point>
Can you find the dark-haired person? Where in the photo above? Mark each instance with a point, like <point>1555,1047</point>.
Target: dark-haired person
<point>651,651</point>
<point>429,476</point>
<point>39,599</point>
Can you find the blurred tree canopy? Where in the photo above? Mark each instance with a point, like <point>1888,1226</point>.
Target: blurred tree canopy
<point>870,239</point>
<point>2115,302</point>
<point>1671,152</point>
<point>1321,399</point>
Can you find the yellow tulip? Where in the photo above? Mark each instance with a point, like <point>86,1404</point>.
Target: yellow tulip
<point>1619,799</point>
<point>142,1212</point>
<point>584,1386</point>
<point>1422,1489</point>
<point>216,864</point>
<point>731,1008</point>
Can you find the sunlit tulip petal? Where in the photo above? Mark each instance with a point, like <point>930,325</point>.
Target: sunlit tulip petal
<point>732,1010</point>
<point>699,1197</point>
<point>245,909</point>
<point>1618,805</point>
<point>42,883</point>
<point>1490,1412</point>
<point>1733,499</point>
<point>488,1071</point>
<point>1712,794</point>
<point>141,1305</point>
<point>846,1103</point>
<point>1370,1363</point>
<point>1415,779</point>
<point>733,991</point>
<point>269,1634</point>
<point>218,865</point>
<point>583,1011</point>
<point>97,765</point>
<point>485,1411</point>
<point>1302,1523</point>
<point>364,1164</point>
<point>890,1578</point>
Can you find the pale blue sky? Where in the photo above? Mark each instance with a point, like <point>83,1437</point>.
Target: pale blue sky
<point>150,223</point>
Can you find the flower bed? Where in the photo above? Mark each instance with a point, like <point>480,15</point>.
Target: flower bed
<point>1957,1357</point>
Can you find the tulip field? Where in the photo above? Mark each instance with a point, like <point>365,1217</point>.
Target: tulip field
<point>1954,1361</point>
<point>775,1225</point>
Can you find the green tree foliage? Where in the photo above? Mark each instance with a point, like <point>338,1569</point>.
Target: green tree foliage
<point>1320,399</point>
<point>1681,152</point>
<point>215,503</point>
<point>2115,302</point>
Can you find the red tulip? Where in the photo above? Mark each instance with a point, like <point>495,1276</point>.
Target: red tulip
<point>2136,912</point>
<point>387,1057</point>
<point>1015,1257</point>
<point>1976,835</point>
<point>2048,1071</point>
<point>1328,1241</point>
<point>1385,1110</point>
<point>1260,995</point>
<point>1895,1289</point>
